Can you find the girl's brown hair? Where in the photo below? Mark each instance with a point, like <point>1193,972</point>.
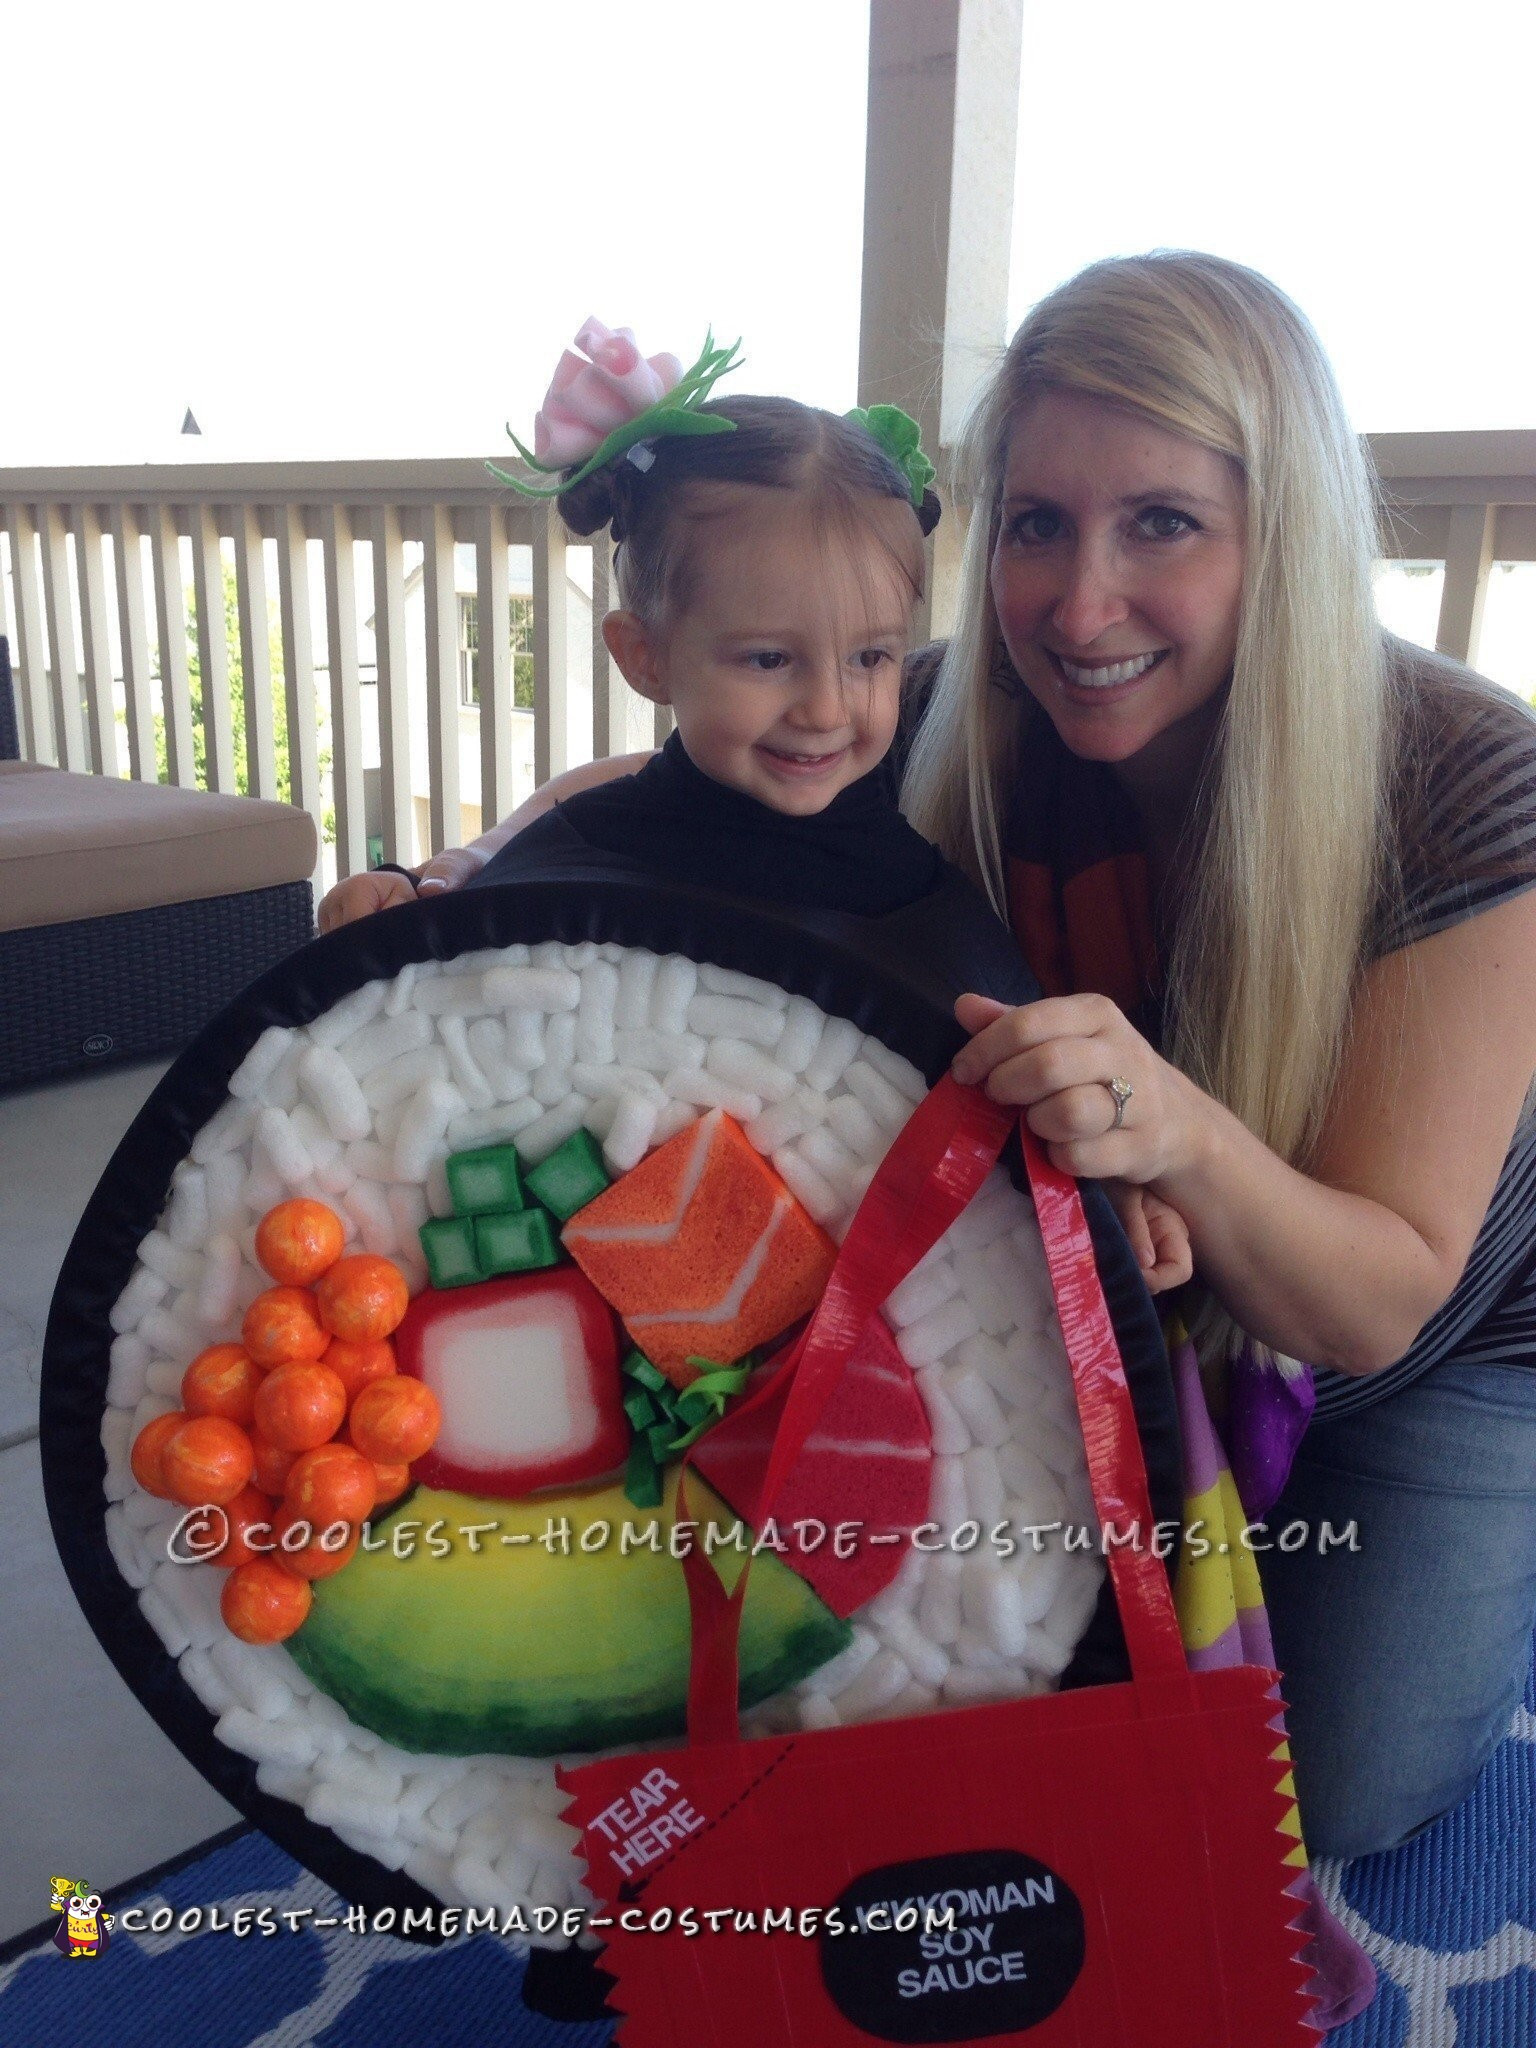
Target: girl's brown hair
<point>777,443</point>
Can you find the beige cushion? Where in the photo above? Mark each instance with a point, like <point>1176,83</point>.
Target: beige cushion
<point>75,846</point>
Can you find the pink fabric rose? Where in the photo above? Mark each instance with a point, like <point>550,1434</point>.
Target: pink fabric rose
<point>587,400</point>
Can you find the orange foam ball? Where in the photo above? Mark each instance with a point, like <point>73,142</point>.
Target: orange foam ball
<point>273,1464</point>
<point>209,1459</point>
<point>363,1298</point>
<point>300,1405</point>
<point>395,1420</point>
<point>359,1365</point>
<point>390,1482</point>
<point>298,1240</point>
<point>249,1510</point>
<point>148,1448</point>
<point>332,1483</point>
<point>261,1603</point>
<point>313,1557</point>
<point>282,1326</point>
<point>221,1381</point>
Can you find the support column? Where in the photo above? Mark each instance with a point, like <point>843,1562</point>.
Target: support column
<point>938,222</point>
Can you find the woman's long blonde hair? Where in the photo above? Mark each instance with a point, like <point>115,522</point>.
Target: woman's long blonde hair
<point>1290,850</point>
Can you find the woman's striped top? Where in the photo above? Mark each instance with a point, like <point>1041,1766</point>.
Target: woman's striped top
<point>1466,840</point>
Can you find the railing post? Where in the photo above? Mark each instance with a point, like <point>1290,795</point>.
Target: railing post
<point>394,683</point>
<point>442,621</point>
<point>101,711</point>
<point>138,673</point>
<point>255,651</point>
<point>495,671</point>
<point>299,664</point>
<point>1468,558</point>
<point>346,691</point>
<point>171,630</point>
<point>551,681</point>
<point>212,650</point>
<point>64,668</point>
<point>31,665</point>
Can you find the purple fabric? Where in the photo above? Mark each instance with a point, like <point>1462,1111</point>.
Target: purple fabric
<point>1267,1416</point>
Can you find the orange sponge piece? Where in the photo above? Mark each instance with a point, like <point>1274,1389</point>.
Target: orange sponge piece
<point>702,1249</point>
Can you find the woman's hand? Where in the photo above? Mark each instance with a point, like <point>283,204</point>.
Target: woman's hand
<point>1056,1059</point>
<point>381,888</point>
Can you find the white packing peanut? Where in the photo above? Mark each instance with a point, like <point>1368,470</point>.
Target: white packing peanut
<point>433,1872</point>
<point>707,1091</point>
<point>814,1194</point>
<point>259,1065</point>
<point>422,1128</point>
<point>309,1128</point>
<point>950,1435</point>
<point>969,1688</point>
<point>801,1035</point>
<point>350,1014</point>
<point>672,992</point>
<point>1034,1492</point>
<point>882,1678</point>
<point>979,1407</point>
<point>831,1159</point>
<point>335,1806</point>
<point>837,1047</point>
<point>368,1206</point>
<point>676,1116</point>
<point>657,1052</point>
<point>177,1266</point>
<point>726,981</point>
<point>171,1336</point>
<point>402,989</point>
<point>552,1128</point>
<point>229,1126</point>
<point>284,1147</point>
<point>399,1078</point>
<point>599,1118</point>
<point>218,1289</point>
<point>949,1505</point>
<point>595,1078</point>
<point>1040,1580</point>
<point>493,956</point>
<point>985,1493</point>
<point>117,1441</point>
<point>924,1659</point>
<point>266,1742</point>
<point>857,1129</point>
<point>282,1781</point>
<point>888,1108</point>
<point>817,1711</point>
<point>362,1775</point>
<point>370,1161</point>
<point>477,1789</point>
<point>456,995</point>
<point>911,1702</point>
<point>541,1834</point>
<point>282,1088</point>
<point>125,1379</point>
<point>983,1354</point>
<point>595,1018</point>
<point>186,1217</point>
<point>577,956</point>
<point>225,1177</point>
<point>525,1038</point>
<point>198,1669</point>
<point>389,1039</point>
<point>496,1126</point>
<point>333,1176</point>
<point>545,989</point>
<point>164,1620</point>
<point>974,1651</point>
<point>748,1068</point>
<point>798,1113</point>
<point>1062,1452</point>
<point>994,1602</point>
<point>1077,1595</point>
<point>1020,1276</point>
<point>331,1086</point>
<point>630,1133</point>
<point>939,1331</point>
<point>632,1004</point>
<point>901,1073</point>
<point>155,1518</point>
<point>925,1287</point>
<point>254,1676</point>
<point>464,1070</point>
<point>732,1017</point>
<point>991,1213</point>
<point>164,1376</point>
<point>982,1292</point>
<point>1045,1655</point>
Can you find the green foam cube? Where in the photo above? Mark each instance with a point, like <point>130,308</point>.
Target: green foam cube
<point>570,1177</point>
<point>520,1241</point>
<point>485,1181</point>
<point>449,1244</point>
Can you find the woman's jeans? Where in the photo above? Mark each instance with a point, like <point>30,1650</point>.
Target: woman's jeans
<point>1403,1661</point>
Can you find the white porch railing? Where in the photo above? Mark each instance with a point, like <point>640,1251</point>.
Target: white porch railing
<point>112,575</point>
<point>101,616</point>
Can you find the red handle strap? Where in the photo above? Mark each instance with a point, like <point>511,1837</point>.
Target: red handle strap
<point>948,1146</point>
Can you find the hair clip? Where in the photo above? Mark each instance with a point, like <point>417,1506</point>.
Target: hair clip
<point>902,439</point>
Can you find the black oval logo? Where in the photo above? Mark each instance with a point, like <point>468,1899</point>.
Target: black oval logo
<point>954,1948</point>
<point>97,1045</point>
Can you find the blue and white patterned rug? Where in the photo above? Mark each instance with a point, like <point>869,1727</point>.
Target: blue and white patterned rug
<point>1450,1922</point>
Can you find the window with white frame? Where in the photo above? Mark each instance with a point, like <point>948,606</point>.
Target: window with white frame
<point>520,644</point>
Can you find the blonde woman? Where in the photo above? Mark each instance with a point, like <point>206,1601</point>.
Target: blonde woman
<point>1274,871</point>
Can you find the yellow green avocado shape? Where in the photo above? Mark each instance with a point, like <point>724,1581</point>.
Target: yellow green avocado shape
<point>518,1649</point>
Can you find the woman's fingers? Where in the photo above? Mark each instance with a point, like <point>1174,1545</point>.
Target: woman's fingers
<point>1000,1033</point>
<point>450,869</point>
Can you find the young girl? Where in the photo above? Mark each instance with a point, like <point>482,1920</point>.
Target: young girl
<point>768,578</point>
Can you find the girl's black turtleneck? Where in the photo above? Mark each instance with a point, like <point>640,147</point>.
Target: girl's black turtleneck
<point>858,855</point>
